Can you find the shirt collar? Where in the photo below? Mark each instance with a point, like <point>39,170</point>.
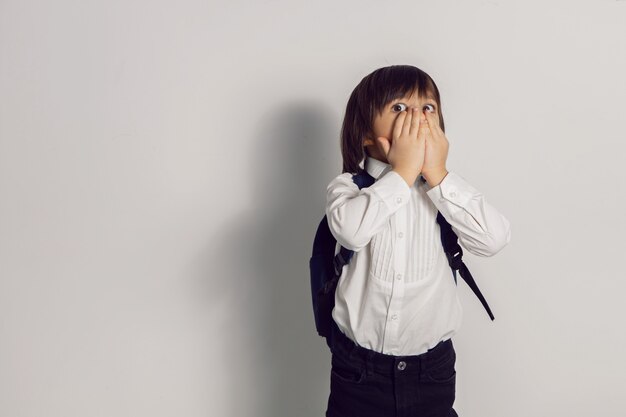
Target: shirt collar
<point>377,168</point>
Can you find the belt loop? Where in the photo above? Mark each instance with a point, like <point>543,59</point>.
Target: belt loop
<point>420,366</point>
<point>369,369</point>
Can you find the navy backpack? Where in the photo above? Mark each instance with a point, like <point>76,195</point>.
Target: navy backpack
<point>326,267</point>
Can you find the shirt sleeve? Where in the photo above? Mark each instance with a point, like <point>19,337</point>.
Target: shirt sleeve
<point>355,215</point>
<point>481,229</point>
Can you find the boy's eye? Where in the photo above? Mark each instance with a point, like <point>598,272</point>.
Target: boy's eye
<point>399,107</point>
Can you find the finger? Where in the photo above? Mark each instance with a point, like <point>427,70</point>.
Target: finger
<point>429,130</point>
<point>397,127</point>
<point>415,123</point>
<point>433,123</point>
<point>423,129</point>
<point>406,126</point>
<point>432,117</point>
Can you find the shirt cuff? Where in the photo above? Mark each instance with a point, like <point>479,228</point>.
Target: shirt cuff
<point>392,189</point>
<point>453,188</point>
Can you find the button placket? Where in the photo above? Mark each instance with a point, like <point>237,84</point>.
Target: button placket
<point>397,287</point>
<point>400,235</point>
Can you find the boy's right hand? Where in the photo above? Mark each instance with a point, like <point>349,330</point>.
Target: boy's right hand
<point>406,152</point>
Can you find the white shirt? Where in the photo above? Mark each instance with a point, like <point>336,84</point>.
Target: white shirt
<point>397,295</point>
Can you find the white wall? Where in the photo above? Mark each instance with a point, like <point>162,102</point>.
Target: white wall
<point>163,170</point>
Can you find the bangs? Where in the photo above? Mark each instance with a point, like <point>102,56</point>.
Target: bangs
<point>399,82</point>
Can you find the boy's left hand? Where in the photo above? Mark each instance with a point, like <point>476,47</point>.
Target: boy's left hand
<point>436,154</point>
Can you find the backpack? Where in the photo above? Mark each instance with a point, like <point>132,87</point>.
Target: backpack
<point>326,267</point>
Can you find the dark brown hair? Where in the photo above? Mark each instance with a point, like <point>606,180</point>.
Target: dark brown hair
<point>369,99</point>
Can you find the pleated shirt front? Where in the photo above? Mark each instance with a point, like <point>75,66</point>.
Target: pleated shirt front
<point>397,295</point>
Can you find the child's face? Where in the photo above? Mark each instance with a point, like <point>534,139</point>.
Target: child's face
<point>384,123</point>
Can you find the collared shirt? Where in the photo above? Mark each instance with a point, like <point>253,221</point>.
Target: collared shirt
<point>397,295</point>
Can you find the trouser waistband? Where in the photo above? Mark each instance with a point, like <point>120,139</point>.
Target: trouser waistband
<point>385,364</point>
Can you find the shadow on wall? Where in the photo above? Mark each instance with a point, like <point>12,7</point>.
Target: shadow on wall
<point>281,367</point>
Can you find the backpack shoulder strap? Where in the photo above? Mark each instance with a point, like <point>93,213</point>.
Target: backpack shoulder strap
<point>454,253</point>
<point>363,179</point>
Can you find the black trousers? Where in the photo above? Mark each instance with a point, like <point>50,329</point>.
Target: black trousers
<point>366,383</point>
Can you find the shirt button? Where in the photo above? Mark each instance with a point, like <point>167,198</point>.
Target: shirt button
<point>452,194</point>
<point>399,277</point>
<point>401,365</point>
<point>395,316</point>
<point>399,200</point>
<point>400,235</point>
